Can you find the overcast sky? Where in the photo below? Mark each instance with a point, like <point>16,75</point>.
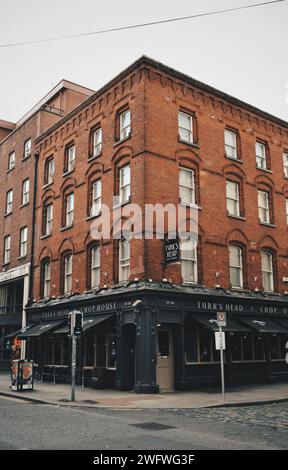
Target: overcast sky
<point>242,53</point>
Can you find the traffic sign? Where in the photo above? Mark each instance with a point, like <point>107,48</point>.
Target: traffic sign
<point>220,340</point>
<point>221,319</point>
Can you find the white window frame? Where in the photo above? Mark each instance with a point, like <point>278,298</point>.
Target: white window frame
<point>27,148</point>
<point>124,187</point>
<point>50,169</point>
<point>269,272</point>
<point>69,207</point>
<point>234,201</point>
<point>185,133</point>
<point>46,278</point>
<point>239,267</point>
<point>124,263</point>
<point>48,218</point>
<point>124,127</point>
<point>285,164</point>
<point>264,209</point>
<point>11,160</point>
<point>95,266</point>
<point>261,155</point>
<point>25,191</point>
<point>9,201</point>
<point>7,249</point>
<point>23,242</point>
<point>97,141</point>
<point>96,197</point>
<point>231,150</point>
<point>68,270</point>
<point>189,256</point>
<point>184,188</point>
<point>71,157</point>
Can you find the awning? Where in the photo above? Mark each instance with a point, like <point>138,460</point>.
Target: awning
<point>14,333</point>
<point>210,321</point>
<point>283,322</point>
<point>87,324</point>
<point>263,324</point>
<point>39,330</point>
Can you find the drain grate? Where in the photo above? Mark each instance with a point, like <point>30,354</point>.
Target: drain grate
<point>153,426</point>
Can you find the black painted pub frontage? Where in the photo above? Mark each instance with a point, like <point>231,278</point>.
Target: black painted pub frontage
<point>152,337</point>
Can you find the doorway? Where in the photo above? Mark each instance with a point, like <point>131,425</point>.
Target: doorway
<point>165,360</point>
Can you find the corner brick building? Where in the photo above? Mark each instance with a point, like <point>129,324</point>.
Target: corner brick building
<point>153,135</point>
<point>17,177</point>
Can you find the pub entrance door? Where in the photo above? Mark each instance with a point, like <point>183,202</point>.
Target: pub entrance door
<point>165,360</point>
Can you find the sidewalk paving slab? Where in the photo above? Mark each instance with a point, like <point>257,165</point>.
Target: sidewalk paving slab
<point>59,394</point>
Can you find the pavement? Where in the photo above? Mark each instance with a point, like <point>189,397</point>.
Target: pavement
<point>60,394</point>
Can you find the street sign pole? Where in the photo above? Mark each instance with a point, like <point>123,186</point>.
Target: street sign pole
<point>73,367</point>
<point>222,364</point>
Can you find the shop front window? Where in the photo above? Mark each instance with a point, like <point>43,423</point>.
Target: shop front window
<point>247,347</point>
<point>259,348</point>
<point>89,351</point>
<point>101,350</point>
<point>111,351</point>
<point>236,346</point>
<point>283,346</point>
<point>48,356</point>
<point>57,350</point>
<point>205,345</point>
<point>191,346</point>
<point>65,346</point>
<point>274,347</point>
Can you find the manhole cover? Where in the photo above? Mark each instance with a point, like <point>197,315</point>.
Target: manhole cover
<point>153,426</point>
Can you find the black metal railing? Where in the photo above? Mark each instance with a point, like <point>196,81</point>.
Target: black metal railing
<point>10,309</point>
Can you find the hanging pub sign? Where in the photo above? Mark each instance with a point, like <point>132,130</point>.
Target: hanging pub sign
<point>171,247</point>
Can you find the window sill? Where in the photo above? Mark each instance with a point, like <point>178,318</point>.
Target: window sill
<point>94,157</point>
<point>24,205</point>
<point>46,185</point>
<point>238,217</point>
<point>25,157</point>
<point>120,204</point>
<point>187,283</point>
<point>267,224</point>
<point>192,206</point>
<point>22,257</point>
<point>191,144</point>
<point>47,235</point>
<point>118,142</point>
<point>66,173</point>
<point>237,160</point>
<point>266,170</point>
<point>5,264</point>
<point>11,169</point>
<point>8,213</point>
<point>62,229</point>
<point>94,216</point>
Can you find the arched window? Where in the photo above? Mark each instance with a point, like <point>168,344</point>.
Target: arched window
<point>45,277</point>
<point>189,261</point>
<point>236,266</point>
<point>267,263</point>
<point>66,272</point>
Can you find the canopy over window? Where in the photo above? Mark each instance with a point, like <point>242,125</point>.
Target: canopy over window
<point>87,324</point>
<point>14,333</point>
<point>263,324</point>
<point>39,330</point>
<point>210,321</point>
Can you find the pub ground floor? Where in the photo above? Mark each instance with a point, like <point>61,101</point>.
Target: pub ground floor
<point>150,338</point>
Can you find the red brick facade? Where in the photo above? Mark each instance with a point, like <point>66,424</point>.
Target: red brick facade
<point>155,94</point>
<point>29,127</point>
